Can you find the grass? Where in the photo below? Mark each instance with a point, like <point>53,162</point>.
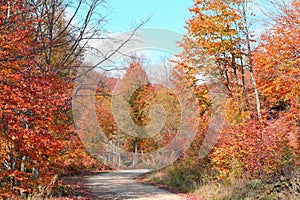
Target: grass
<point>271,188</point>
<point>181,181</point>
<point>247,190</point>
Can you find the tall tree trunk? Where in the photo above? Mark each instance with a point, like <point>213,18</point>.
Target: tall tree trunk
<point>244,85</point>
<point>258,109</point>
<point>135,153</point>
<point>249,55</point>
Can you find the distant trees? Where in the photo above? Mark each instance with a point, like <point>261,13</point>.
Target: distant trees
<point>127,124</point>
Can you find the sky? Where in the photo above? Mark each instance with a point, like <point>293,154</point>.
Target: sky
<point>170,14</point>
<point>125,15</point>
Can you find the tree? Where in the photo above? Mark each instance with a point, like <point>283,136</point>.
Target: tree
<point>64,36</point>
<point>35,119</point>
<point>260,148</point>
<point>32,106</point>
<point>219,43</point>
<point>219,40</point>
<point>276,62</point>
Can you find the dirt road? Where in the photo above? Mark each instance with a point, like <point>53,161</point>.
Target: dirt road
<point>121,185</point>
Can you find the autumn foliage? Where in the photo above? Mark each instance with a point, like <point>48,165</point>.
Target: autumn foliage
<point>35,118</point>
<point>259,76</point>
<point>261,134</point>
<point>139,105</point>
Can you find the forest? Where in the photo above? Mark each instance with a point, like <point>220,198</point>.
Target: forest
<point>244,145</point>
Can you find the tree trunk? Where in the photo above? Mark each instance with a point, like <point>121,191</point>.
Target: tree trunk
<point>134,163</point>
<point>249,55</point>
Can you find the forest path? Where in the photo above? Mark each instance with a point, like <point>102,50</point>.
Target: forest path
<point>119,185</point>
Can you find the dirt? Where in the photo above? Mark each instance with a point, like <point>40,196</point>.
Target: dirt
<point>118,185</point>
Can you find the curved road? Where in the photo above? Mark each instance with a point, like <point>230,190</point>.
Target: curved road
<point>120,185</point>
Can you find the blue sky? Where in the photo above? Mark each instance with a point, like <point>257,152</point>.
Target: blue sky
<point>124,15</point>
<point>170,14</point>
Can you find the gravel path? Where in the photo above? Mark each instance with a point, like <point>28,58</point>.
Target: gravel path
<point>121,185</point>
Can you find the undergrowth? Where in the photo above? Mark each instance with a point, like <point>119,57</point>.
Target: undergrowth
<point>278,187</point>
